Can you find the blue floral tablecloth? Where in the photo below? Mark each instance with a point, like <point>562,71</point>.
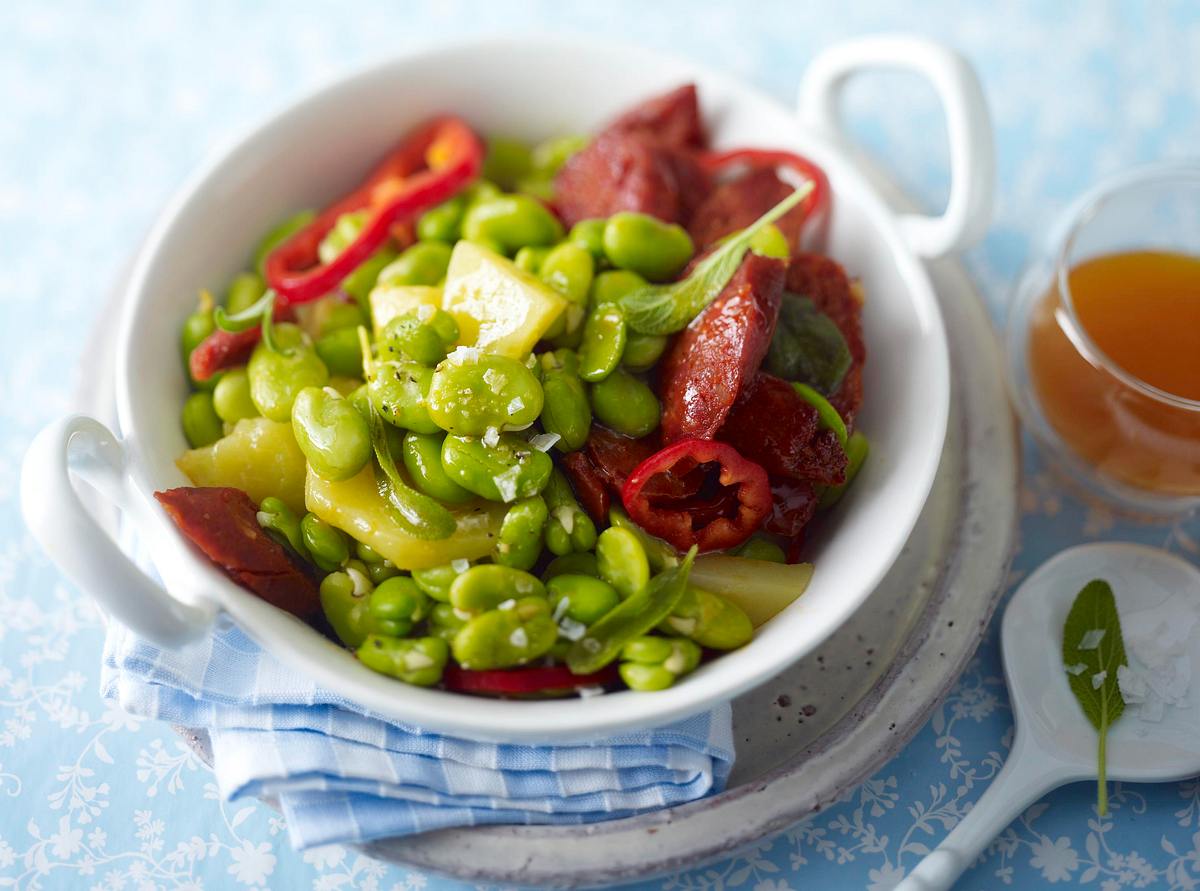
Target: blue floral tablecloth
<point>107,106</point>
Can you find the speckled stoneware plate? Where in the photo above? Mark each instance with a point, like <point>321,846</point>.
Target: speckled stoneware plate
<point>807,736</point>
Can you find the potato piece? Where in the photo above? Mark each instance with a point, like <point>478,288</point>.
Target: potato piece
<point>356,507</point>
<point>759,587</point>
<point>389,301</point>
<point>259,456</point>
<point>499,308</point>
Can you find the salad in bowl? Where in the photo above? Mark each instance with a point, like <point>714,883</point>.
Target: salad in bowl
<point>532,420</point>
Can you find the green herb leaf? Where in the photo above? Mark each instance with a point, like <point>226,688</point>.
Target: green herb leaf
<point>249,317</point>
<point>665,309</point>
<point>1092,639</point>
<point>808,346</point>
<point>825,411</point>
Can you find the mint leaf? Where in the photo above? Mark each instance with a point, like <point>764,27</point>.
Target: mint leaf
<point>665,309</point>
<point>1092,638</point>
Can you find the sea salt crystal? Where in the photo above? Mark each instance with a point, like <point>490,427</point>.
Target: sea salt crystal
<point>560,608</point>
<point>506,483</point>
<point>565,514</point>
<point>1091,639</point>
<point>519,638</point>
<point>425,312</point>
<point>491,437</point>
<point>464,355</point>
<point>1099,678</point>
<point>507,604</point>
<point>544,442</point>
<point>415,660</point>
<point>1076,669</point>
<point>516,405</point>
<point>362,585</point>
<point>495,380</point>
<point>570,629</point>
<point>460,564</point>
<point>1159,670</point>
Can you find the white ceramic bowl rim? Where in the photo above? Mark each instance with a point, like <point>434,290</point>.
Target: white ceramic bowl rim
<point>908,382</point>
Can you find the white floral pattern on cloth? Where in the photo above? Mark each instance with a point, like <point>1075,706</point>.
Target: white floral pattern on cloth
<point>108,107</point>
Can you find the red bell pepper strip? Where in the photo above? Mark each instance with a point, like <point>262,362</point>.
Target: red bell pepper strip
<point>225,349</point>
<point>430,166</point>
<point>816,205</point>
<point>524,681</point>
<point>725,511</point>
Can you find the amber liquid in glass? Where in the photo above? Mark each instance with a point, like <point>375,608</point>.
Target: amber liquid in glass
<point>1142,311</point>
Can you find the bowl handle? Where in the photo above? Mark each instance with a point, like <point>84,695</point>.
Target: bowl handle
<point>972,154</point>
<point>82,446</point>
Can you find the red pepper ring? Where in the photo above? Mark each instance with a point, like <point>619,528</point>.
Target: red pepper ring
<point>429,166</point>
<point>524,681</point>
<point>727,509</point>
<point>815,206</point>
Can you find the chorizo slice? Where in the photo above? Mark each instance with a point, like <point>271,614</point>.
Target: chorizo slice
<point>222,522</point>
<point>772,426</point>
<point>616,172</point>
<point>709,362</point>
<point>673,119</point>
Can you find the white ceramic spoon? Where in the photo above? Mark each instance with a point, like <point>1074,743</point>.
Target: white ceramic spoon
<point>1055,744</point>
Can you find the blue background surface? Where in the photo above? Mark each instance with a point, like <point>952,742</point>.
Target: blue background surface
<point>106,107</point>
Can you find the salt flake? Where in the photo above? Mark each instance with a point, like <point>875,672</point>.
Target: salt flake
<point>1076,669</point>
<point>544,442</point>
<point>570,629</point>
<point>1098,678</point>
<point>460,564</point>
<point>1091,639</point>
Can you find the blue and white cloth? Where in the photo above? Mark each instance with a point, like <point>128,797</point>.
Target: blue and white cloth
<point>342,775</point>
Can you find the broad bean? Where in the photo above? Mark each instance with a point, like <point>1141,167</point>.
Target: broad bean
<point>489,392</point>
<point>445,621</point>
<point>396,605</point>
<point>603,343</point>
<point>622,561</point>
<point>424,263</point>
<point>201,424</point>
<point>587,598</point>
<point>571,564</point>
<point>231,397</point>
<point>565,406</point>
<point>436,581</point>
<point>512,222</point>
<point>569,529</point>
<point>611,286</point>
<point>277,377</point>
<point>341,351</point>
<point>655,663</point>
<point>502,638</point>
<point>244,291</point>
<point>509,470</point>
<point>710,620</point>
<point>422,454</point>
<point>646,245</point>
<point>331,433</point>
<point>486,586</point>
<point>625,404</point>
<point>419,660</point>
<point>442,222</point>
<point>761,549</point>
<point>520,538</point>
<point>327,546</point>
<point>399,392</point>
<point>344,599</point>
<point>507,161</point>
<point>642,351</point>
<point>278,521</point>
<point>589,235</point>
<point>424,335</point>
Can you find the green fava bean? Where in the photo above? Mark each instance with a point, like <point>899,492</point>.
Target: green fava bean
<point>625,404</point>
<point>502,638</point>
<point>445,621</point>
<point>357,284</point>
<point>569,268</point>
<point>512,222</point>
<point>589,235</point>
<point>396,605</point>
<point>643,350</point>
<point>244,291</point>
<point>655,663</point>
<point>622,561</point>
<point>419,661</point>
<point>341,351</point>
<point>340,315</point>
<point>520,542</point>
<point>197,326</point>
<point>231,397</point>
<point>566,410</point>
<point>509,470</point>
<point>587,598</point>
<point>367,554</point>
<point>201,424</point>
<point>344,600</point>
<point>761,549</point>
<point>530,259</point>
<point>277,377</point>
<point>278,521</point>
<point>551,154</point>
<point>611,286</point>
<point>489,392</point>
<point>660,554</point>
<point>488,585</point>
<point>569,528</point>
<point>769,241</point>
<point>571,564</point>
<point>281,233</point>
<point>328,547</point>
<point>422,335</point>
<point>443,221</point>
<point>710,620</point>
<point>381,572</point>
<point>641,243</point>
<point>436,581</point>
<point>399,392</point>
<point>331,433</point>
<point>422,453</point>
<point>424,263</point>
<point>507,161</point>
<point>603,343</point>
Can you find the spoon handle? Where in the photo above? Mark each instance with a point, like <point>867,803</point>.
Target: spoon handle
<point>1026,776</point>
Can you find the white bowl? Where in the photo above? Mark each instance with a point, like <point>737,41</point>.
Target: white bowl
<point>318,148</point>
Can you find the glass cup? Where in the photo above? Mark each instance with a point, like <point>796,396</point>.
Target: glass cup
<point>1113,434</point>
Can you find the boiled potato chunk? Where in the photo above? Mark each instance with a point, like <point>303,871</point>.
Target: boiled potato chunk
<point>389,301</point>
<point>499,308</point>
<point>761,588</point>
<point>356,507</point>
<point>259,456</point>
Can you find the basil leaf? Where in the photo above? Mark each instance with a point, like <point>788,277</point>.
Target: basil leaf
<point>808,346</point>
<point>665,309</point>
<point>1092,639</point>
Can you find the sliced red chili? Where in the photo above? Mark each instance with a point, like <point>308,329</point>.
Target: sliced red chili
<point>537,680</point>
<point>733,499</point>
<point>428,167</point>
<point>815,207</point>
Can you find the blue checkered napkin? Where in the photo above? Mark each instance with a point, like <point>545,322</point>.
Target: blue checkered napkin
<point>344,776</point>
